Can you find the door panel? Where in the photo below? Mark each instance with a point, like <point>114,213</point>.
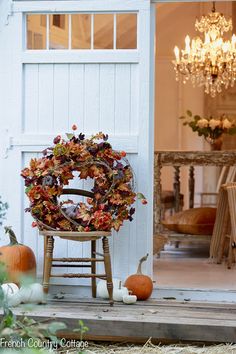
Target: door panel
<point>99,90</point>
<point>59,95</point>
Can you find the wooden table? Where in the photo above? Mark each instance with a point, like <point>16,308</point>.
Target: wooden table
<point>178,159</point>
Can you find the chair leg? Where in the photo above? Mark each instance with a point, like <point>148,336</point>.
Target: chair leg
<point>44,253</point>
<point>93,267</point>
<point>177,244</point>
<point>230,256</point>
<point>222,247</point>
<point>225,230</point>
<point>233,254</point>
<point>230,253</point>
<point>107,265</point>
<point>48,254</point>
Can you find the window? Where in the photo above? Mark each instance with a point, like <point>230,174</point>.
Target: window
<point>58,32</point>
<point>103,31</point>
<point>36,32</point>
<point>82,31</point>
<point>126,31</point>
<point>43,20</point>
<point>58,21</point>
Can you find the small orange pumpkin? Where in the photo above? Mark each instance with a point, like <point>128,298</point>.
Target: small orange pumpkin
<point>139,284</point>
<point>18,259</point>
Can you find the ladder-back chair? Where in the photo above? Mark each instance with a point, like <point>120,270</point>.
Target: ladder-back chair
<point>51,262</point>
<point>227,175</point>
<point>224,233</point>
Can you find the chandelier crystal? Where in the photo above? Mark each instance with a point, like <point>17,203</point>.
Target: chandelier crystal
<point>208,62</point>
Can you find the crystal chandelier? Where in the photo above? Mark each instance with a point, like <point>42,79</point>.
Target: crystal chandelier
<point>210,62</point>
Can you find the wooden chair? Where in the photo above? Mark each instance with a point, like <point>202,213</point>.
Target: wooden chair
<point>50,262</point>
<point>227,175</point>
<point>224,233</point>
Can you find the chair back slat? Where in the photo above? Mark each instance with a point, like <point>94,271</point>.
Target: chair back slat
<point>222,178</point>
<point>231,174</point>
<point>227,175</point>
<point>80,192</point>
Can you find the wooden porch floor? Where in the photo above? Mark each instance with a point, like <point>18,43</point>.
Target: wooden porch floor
<point>161,320</point>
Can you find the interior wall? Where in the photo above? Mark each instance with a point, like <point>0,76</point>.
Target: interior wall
<point>173,22</point>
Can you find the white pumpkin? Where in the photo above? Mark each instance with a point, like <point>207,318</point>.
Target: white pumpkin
<point>14,300</point>
<point>25,293</point>
<point>129,299</point>
<point>102,288</point>
<point>9,288</point>
<point>119,293</point>
<point>11,294</point>
<point>37,295</point>
<point>32,293</point>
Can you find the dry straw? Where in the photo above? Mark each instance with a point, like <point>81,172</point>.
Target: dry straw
<point>149,348</point>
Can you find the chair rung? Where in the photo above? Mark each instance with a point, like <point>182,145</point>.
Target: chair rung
<point>71,275</point>
<point>78,260</point>
<point>72,265</point>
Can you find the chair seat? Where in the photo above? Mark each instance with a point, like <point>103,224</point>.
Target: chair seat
<point>51,262</point>
<point>76,236</point>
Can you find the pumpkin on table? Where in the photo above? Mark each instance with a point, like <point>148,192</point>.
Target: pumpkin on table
<point>18,259</point>
<point>140,284</point>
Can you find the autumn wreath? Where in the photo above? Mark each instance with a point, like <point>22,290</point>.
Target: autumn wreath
<point>113,192</point>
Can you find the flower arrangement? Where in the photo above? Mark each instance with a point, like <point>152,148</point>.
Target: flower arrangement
<point>210,128</point>
<point>91,158</point>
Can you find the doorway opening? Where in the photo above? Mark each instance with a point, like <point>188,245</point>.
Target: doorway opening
<point>186,265</point>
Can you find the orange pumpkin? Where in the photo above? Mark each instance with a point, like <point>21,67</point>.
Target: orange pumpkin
<point>139,284</point>
<point>18,259</point>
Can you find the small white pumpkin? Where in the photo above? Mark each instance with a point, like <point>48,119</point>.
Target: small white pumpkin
<point>25,293</point>
<point>118,293</point>
<point>37,295</point>
<point>102,288</point>
<point>9,288</point>
<point>32,293</point>
<point>129,299</point>
<point>11,294</point>
<point>14,300</point>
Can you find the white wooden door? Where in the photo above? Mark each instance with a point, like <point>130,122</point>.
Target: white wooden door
<point>44,92</point>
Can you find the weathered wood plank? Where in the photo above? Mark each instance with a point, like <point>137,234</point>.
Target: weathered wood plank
<point>150,303</point>
<point>149,312</point>
<point>157,319</point>
<point>197,158</point>
<point>104,313</point>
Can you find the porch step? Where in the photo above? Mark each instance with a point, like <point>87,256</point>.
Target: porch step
<point>161,320</point>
